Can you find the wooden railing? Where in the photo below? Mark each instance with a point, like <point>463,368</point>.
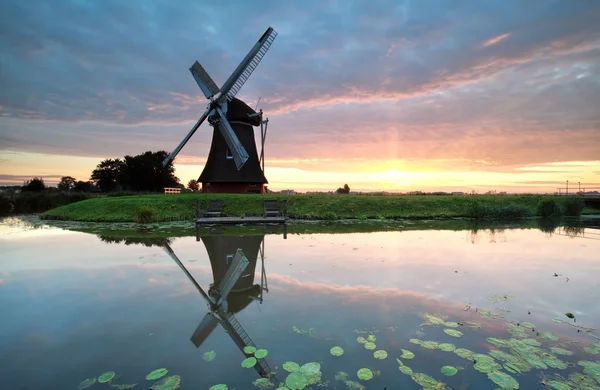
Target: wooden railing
<point>172,190</point>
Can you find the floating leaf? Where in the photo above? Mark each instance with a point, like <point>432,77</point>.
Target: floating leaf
<point>86,383</point>
<point>592,350</point>
<point>280,388</point>
<point>449,370</point>
<point>570,315</point>
<point>336,351</point>
<point>311,368</point>
<point>296,381</point>
<point>260,353</point>
<point>430,344</point>
<point>416,341</point>
<point>370,345</point>
<point>381,354</point>
<point>532,342</point>
<point>158,373</point>
<point>498,342</point>
<point>341,376</point>
<point>452,324</point>
<point>557,320</point>
<point>371,338</point>
<point>503,380</point>
<point>561,351</point>
<point>361,340</point>
<point>106,377</point>
<point>249,362</point>
<point>249,349</point>
<point>406,370</point>
<point>406,354</point>
<point>528,325</point>
<point>218,387</point>
<point>453,332</point>
<point>291,366</point>
<point>123,387</point>
<point>549,336</point>
<point>364,374</point>
<point>209,356</point>
<point>168,383</point>
<point>447,347</point>
<point>426,381</point>
<point>432,320</point>
<point>464,353</point>
<point>558,385</point>
<point>263,383</point>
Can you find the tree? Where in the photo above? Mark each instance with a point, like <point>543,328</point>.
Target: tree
<point>193,185</point>
<point>108,174</point>
<point>345,190</point>
<point>34,185</point>
<point>145,172</point>
<point>66,183</point>
<point>83,186</point>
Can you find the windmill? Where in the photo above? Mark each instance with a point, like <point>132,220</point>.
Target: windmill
<point>223,110</point>
<point>221,311</point>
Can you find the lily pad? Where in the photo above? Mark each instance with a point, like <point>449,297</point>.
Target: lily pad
<point>364,374</point>
<point>416,341</point>
<point>503,380</point>
<point>263,383</point>
<point>123,387</point>
<point>464,353</point>
<point>209,356</point>
<point>406,354</point>
<point>291,366</point>
<point>430,344</point>
<point>156,374</point>
<point>341,376</point>
<point>369,345</point>
<point>381,354</point>
<point>592,350</point>
<point>432,320</point>
<point>249,362</point>
<point>570,315</point>
<point>452,324</point>
<point>260,353</point>
<point>528,325</point>
<point>426,381</point>
<point>498,342</point>
<point>249,349</point>
<point>447,347</point>
<point>449,370</point>
<point>336,351</point>
<point>361,340</point>
<point>558,385</point>
<point>453,332</point>
<point>86,383</point>
<point>532,342</point>
<point>168,383</point>
<point>549,336</point>
<point>106,377</point>
<point>406,370</point>
<point>218,387</point>
<point>311,368</point>
<point>296,381</point>
<point>371,338</point>
<point>561,351</point>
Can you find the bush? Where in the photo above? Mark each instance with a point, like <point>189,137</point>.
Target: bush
<point>330,216</point>
<point>144,214</point>
<point>548,207</point>
<point>477,210</point>
<point>572,206</point>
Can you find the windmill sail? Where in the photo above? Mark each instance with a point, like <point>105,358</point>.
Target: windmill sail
<point>242,73</point>
<point>204,329</point>
<point>240,156</point>
<point>204,81</point>
<point>175,152</point>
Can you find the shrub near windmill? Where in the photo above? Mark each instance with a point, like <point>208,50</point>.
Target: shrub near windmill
<point>233,164</point>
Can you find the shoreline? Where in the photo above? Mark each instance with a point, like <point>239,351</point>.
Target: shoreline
<point>181,207</point>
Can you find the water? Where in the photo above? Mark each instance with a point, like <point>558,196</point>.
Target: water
<point>75,306</point>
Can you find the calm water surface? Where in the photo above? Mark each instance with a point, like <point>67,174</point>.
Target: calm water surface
<point>75,306</point>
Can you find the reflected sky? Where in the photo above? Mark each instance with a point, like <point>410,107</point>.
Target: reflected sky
<point>78,306</point>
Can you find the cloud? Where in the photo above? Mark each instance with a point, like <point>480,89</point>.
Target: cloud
<point>391,80</point>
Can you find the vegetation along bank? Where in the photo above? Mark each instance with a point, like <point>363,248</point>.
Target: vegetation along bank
<point>160,207</point>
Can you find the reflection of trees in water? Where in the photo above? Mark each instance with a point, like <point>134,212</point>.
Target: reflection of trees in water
<point>548,225</point>
<point>495,233</point>
<point>145,241</point>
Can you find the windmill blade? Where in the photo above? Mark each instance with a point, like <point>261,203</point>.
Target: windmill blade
<point>167,248</point>
<point>242,73</point>
<point>204,81</point>
<point>175,152</point>
<point>240,156</point>
<point>235,270</point>
<point>204,329</point>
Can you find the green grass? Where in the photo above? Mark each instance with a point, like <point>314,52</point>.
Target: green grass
<point>160,207</point>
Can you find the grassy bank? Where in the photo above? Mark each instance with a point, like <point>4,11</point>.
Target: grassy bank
<point>157,208</point>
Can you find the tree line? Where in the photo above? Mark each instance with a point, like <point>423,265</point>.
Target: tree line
<point>141,173</point>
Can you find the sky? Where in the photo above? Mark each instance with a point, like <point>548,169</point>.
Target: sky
<point>398,95</point>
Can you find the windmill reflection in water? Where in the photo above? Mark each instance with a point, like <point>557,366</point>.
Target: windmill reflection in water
<point>233,261</point>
